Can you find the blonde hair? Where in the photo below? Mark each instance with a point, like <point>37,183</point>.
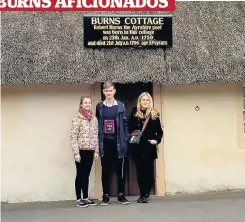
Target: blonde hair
<point>149,111</point>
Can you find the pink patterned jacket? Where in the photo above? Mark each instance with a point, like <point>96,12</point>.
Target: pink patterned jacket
<point>84,134</point>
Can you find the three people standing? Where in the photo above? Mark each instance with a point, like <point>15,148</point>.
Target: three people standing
<point>107,134</point>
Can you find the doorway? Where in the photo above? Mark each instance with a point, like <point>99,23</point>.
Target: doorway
<point>128,94</point>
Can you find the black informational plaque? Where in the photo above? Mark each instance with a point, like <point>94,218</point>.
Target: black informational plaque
<point>140,31</point>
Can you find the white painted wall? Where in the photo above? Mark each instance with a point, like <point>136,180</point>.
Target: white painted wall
<point>37,161</point>
<point>204,150</point>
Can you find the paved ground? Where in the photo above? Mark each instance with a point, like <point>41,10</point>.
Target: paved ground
<point>214,207</point>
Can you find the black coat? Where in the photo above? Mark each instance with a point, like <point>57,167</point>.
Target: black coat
<point>153,131</point>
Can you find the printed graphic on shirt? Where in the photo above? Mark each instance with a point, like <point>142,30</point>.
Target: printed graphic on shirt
<point>109,127</point>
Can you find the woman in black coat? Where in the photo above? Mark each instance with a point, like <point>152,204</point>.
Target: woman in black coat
<point>145,152</point>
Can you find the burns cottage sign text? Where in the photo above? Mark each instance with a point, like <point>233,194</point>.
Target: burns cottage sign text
<point>101,31</point>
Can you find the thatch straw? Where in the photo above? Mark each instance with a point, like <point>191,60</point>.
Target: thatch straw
<point>47,47</point>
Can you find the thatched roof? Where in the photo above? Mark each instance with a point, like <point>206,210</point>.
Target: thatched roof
<point>47,47</point>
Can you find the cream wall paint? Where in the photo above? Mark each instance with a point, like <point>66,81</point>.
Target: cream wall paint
<point>37,162</point>
<point>203,150</point>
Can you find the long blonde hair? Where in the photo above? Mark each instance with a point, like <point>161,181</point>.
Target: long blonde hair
<point>149,111</point>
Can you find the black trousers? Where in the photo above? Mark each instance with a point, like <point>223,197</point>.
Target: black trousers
<point>111,163</point>
<point>83,172</point>
<point>145,174</point>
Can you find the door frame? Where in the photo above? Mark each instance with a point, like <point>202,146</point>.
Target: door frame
<point>160,175</point>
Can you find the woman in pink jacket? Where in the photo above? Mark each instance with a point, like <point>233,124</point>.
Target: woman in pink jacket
<point>84,143</point>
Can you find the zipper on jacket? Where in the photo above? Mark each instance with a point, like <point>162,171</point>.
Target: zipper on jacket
<point>102,122</point>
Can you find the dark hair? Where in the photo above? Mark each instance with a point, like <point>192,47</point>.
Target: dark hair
<point>82,99</point>
<point>107,85</point>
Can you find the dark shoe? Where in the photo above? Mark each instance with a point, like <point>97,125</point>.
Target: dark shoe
<point>82,203</point>
<point>146,199</point>
<point>105,200</point>
<point>90,202</point>
<point>122,200</point>
<point>140,200</point>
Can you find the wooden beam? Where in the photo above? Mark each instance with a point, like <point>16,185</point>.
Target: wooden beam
<point>96,97</point>
<point>160,182</point>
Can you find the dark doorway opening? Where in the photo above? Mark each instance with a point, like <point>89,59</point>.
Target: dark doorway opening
<point>128,94</point>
